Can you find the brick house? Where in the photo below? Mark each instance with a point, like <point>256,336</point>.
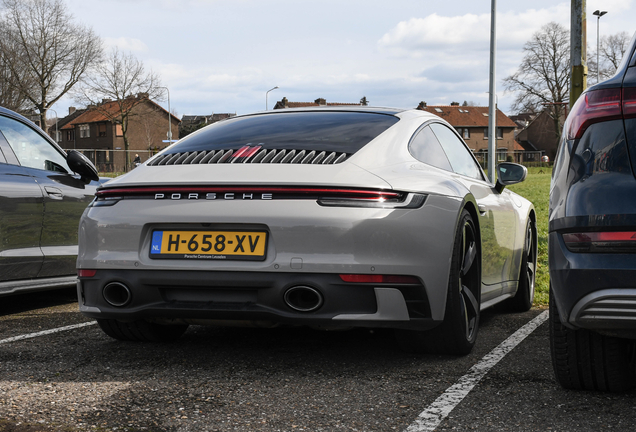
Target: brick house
<point>101,139</point>
<point>539,134</point>
<point>191,123</point>
<point>472,124</point>
<point>73,113</point>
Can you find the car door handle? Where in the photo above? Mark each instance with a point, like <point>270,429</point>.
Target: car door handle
<point>54,193</point>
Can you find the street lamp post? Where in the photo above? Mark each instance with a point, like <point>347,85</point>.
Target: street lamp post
<point>266,93</point>
<point>492,102</point>
<point>169,117</point>
<point>56,132</point>
<point>598,14</point>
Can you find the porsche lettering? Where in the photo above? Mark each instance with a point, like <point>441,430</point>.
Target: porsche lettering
<point>214,196</point>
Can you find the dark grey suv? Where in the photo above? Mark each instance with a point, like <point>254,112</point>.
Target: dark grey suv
<point>592,240</point>
<point>41,202</point>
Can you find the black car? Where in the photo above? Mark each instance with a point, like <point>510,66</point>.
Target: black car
<point>592,240</point>
<point>41,201</point>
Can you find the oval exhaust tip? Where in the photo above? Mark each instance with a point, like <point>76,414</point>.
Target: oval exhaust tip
<point>117,294</point>
<point>303,298</point>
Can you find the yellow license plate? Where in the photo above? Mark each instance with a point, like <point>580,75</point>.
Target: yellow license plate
<point>217,245</point>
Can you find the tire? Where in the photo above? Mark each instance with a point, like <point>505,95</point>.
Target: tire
<point>586,360</point>
<point>458,333</point>
<point>141,331</point>
<point>523,299</point>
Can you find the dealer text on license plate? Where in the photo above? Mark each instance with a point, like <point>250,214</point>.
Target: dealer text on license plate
<point>234,245</point>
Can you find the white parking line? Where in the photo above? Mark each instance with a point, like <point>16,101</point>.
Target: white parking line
<point>46,332</point>
<point>432,416</point>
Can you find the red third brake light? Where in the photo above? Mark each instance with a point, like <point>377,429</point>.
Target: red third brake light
<point>596,106</point>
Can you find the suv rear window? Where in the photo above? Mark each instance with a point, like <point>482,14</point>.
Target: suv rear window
<point>326,131</point>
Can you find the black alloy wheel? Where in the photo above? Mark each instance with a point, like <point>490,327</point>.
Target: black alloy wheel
<point>524,298</point>
<point>468,282</point>
<point>458,333</point>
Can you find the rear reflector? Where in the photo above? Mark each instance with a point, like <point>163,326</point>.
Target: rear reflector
<point>86,273</point>
<point>601,242</point>
<point>368,278</point>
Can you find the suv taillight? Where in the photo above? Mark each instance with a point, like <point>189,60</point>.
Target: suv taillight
<point>595,106</point>
<point>629,102</point>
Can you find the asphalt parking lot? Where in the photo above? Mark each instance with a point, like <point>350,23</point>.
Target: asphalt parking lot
<point>283,379</point>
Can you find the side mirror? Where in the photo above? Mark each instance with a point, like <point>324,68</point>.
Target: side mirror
<point>81,165</point>
<point>509,173</point>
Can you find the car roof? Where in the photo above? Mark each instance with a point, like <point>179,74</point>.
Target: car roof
<point>8,112</point>
<point>335,108</point>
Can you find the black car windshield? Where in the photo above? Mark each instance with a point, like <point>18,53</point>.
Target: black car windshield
<point>326,131</point>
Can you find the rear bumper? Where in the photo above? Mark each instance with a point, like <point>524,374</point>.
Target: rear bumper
<point>204,297</point>
<point>304,239</point>
<point>593,291</point>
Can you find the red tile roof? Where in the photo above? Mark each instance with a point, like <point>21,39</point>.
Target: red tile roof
<point>468,116</point>
<point>101,113</point>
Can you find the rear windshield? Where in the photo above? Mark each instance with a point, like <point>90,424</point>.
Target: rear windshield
<point>327,131</point>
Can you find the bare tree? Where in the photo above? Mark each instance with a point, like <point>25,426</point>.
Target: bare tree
<point>11,96</point>
<point>543,77</point>
<point>612,49</point>
<point>122,79</point>
<point>48,53</point>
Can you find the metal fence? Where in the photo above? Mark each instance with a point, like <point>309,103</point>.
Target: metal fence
<point>527,158</point>
<point>114,161</point>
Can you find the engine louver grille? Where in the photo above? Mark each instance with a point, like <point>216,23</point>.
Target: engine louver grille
<point>251,154</point>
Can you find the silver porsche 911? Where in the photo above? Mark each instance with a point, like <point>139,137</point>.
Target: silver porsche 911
<point>330,218</point>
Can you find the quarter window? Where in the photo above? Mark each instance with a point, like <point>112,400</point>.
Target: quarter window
<point>459,156</point>
<point>426,148</point>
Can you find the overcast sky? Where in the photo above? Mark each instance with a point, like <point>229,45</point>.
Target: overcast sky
<point>221,56</point>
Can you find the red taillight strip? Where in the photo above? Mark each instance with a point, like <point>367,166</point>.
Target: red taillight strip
<point>620,242</point>
<point>369,278</point>
<point>591,237</point>
<point>358,193</point>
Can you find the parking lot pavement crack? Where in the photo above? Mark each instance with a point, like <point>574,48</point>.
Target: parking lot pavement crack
<point>429,419</point>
